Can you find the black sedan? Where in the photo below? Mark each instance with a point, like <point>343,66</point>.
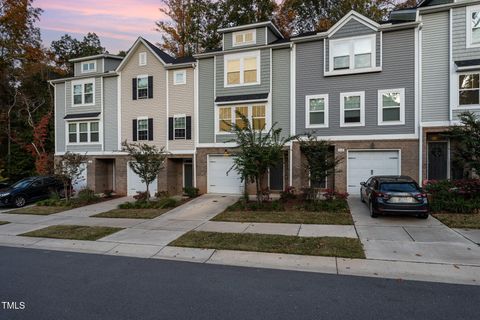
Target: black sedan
<point>394,194</point>
<point>29,190</point>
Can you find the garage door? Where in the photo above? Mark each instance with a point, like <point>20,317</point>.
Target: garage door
<point>219,181</point>
<point>135,184</point>
<point>362,165</point>
<point>81,182</point>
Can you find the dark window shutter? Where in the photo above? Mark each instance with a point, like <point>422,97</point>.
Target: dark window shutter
<point>150,129</point>
<point>188,127</point>
<point>134,88</point>
<point>150,87</point>
<point>170,128</point>
<point>134,130</point>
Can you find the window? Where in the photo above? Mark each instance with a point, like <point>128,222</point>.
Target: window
<point>242,69</point>
<point>89,66</point>
<point>83,132</point>
<point>354,54</point>
<point>243,38</point>
<point>468,85</point>
<point>142,129</point>
<point>316,111</point>
<point>256,115</point>
<point>391,107</point>
<point>179,126</point>
<point>179,77</point>
<point>352,109</point>
<point>473,26</point>
<point>142,59</point>
<point>83,92</point>
<point>142,87</point>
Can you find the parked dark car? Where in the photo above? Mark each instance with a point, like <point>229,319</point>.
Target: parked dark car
<point>29,190</point>
<point>4,185</point>
<point>394,194</point>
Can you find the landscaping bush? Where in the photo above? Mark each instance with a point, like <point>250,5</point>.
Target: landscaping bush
<point>255,206</point>
<point>330,205</point>
<point>108,193</point>
<point>154,204</point>
<point>454,196</point>
<point>141,196</point>
<point>288,194</point>
<point>161,194</point>
<point>86,196</point>
<point>191,192</point>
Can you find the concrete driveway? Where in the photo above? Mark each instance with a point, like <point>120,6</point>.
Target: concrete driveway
<point>403,238</point>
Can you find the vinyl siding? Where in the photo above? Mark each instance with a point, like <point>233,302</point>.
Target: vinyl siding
<point>206,100</point>
<point>77,68</point>
<point>84,148</point>
<point>181,102</point>
<point>110,116</point>
<point>271,37</point>
<point>351,29</point>
<point>111,64</point>
<point>263,87</point>
<point>228,39</point>
<point>459,37</point>
<point>59,115</point>
<point>97,107</point>
<point>152,108</point>
<point>398,72</point>
<point>435,67</point>
<point>281,89</point>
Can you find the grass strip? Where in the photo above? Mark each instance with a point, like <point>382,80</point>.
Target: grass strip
<point>39,210</point>
<point>457,220</point>
<point>321,246</point>
<point>306,217</point>
<point>132,213</point>
<point>72,232</point>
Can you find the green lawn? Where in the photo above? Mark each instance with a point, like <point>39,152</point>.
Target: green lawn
<point>323,246</point>
<point>72,232</point>
<point>132,213</point>
<point>457,220</point>
<point>39,210</point>
<point>342,218</point>
<point>4,222</point>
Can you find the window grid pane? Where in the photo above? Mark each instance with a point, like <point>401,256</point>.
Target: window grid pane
<point>238,120</point>
<point>258,117</point>
<point>352,102</point>
<point>475,27</point>
<point>225,119</point>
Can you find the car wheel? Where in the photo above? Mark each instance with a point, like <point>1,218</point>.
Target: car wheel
<point>19,201</point>
<point>423,216</point>
<point>361,197</point>
<point>372,212</point>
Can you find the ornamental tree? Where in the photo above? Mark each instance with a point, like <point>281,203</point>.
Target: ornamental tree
<point>148,161</point>
<point>257,151</point>
<point>69,170</point>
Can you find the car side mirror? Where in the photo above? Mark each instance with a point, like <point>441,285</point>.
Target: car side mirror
<point>363,184</point>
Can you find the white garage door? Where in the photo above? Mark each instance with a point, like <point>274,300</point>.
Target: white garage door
<point>81,182</point>
<point>218,179</point>
<point>135,184</point>
<point>362,165</point>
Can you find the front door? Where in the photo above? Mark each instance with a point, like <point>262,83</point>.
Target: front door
<point>437,160</point>
<point>187,174</point>
<point>276,177</point>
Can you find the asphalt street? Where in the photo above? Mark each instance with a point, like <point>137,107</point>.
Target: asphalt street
<point>63,285</point>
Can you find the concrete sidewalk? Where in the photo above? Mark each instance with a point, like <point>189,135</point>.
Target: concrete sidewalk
<point>403,238</point>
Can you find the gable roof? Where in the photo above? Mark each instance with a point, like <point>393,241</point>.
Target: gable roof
<point>353,15</point>
<point>268,24</point>
<point>427,3</point>
<point>162,56</point>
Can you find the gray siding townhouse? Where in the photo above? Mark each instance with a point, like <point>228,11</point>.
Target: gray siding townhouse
<point>250,74</point>
<point>450,63</point>
<point>356,85</point>
<point>157,107</point>
<point>86,119</point>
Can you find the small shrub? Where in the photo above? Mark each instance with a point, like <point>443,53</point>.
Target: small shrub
<point>108,193</point>
<point>331,205</point>
<point>167,203</point>
<point>275,205</point>
<point>86,196</point>
<point>457,196</point>
<point>191,192</point>
<point>288,194</point>
<point>141,196</point>
<point>161,194</point>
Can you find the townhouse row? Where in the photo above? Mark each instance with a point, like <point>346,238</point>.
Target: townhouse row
<point>382,93</point>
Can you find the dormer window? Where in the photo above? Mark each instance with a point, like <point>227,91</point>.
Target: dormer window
<point>89,66</point>
<point>243,38</point>
<point>142,59</point>
<point>473,26</point>
<point>352,54</point>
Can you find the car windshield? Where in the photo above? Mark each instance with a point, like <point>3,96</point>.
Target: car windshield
<point>21,184</point>
<point>399,187</point>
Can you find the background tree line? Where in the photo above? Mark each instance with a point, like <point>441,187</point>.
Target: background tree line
<point>26,65</point>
